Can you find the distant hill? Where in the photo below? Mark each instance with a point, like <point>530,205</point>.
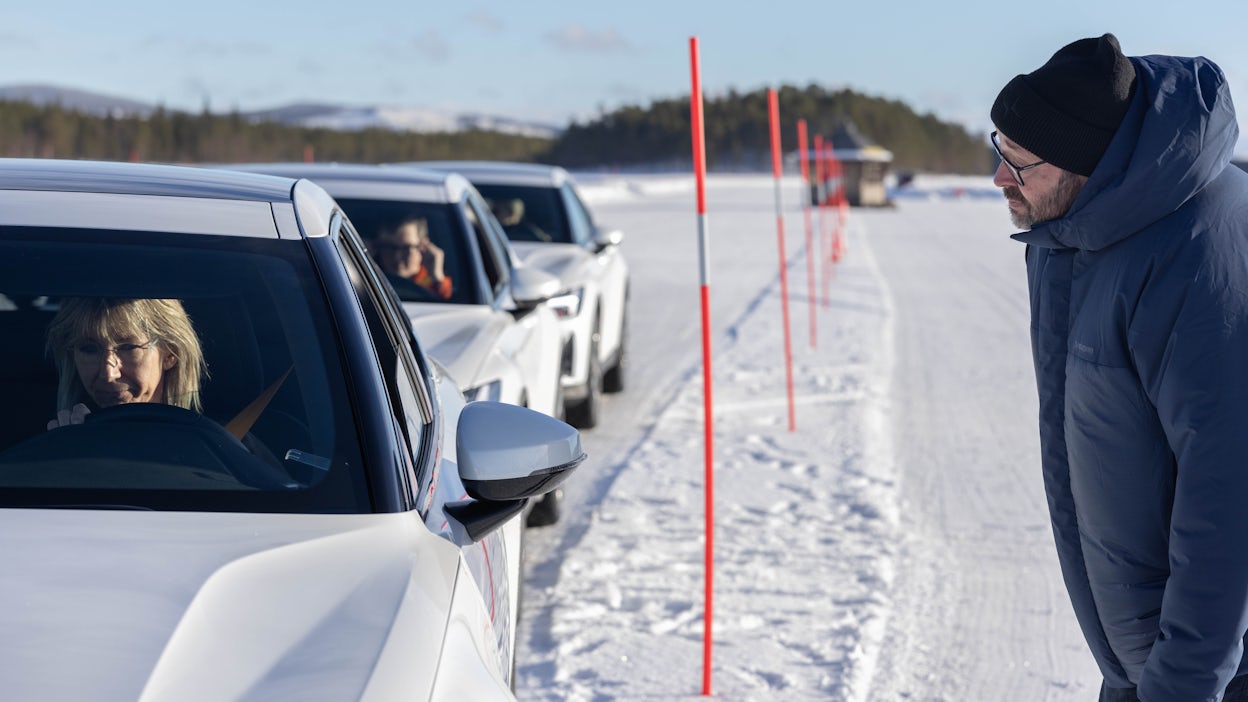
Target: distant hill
<point>311,115</point>
<point>398,118</point>
<point>44,121</point>
<point>73,99</point>
<point>738,133</point>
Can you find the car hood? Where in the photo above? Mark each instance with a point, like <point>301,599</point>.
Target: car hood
<point>461,337</point>
<point>567,262</point>
<point>168,605</point>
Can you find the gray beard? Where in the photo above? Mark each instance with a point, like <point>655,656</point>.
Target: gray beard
<point>1052,206</point>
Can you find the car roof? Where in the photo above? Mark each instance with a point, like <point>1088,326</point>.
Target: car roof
<point>62,175</point>
<point>372,181</point>
<point>157,197</point>
<point>502,172</point>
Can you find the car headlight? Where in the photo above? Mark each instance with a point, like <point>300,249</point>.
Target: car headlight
<point>567,304</point>
<point>489,391</point>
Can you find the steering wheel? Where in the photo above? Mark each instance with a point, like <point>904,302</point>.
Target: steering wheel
<point>242,464</point>
<point>411,292</point>
<point>156,413</point>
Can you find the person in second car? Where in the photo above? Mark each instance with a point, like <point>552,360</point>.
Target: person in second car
<point>406,252</point>
<point>1137,262</point>
<point>510,214</point>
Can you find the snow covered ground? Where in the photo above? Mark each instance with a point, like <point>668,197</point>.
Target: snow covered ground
<point>895,546</point>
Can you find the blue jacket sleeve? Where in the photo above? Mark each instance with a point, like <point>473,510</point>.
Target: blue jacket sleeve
<point>1192,356</point>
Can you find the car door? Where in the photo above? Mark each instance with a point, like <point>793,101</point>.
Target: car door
<point>518,339</point>
<point>538,337</point>
<point>611,271</point>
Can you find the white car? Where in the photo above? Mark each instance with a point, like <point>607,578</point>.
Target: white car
<point>492,331</point>
<point>551,228</point>
<point>319,515</point>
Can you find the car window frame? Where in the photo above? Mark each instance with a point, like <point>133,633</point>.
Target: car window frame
<point>491,252</point>
<point>580,220</point>
<point>420,460</point>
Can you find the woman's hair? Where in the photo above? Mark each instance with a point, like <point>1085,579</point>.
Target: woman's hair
<point>106,320</point>
<point>390,235</point>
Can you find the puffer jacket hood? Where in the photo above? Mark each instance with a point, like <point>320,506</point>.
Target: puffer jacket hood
<point>1177,136</point>
<point>1139,299</point>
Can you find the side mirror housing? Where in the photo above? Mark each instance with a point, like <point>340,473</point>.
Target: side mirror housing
<point>532,286</point>
<point>508,454</point>
<point>604,237</point>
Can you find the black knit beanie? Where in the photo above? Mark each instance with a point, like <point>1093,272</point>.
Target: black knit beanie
<point>1067,110</point>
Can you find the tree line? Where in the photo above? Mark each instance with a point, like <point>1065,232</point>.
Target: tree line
<point>653,136</point>
<point>738,135</point>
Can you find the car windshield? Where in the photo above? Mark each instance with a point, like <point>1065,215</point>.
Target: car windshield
<point>528,213</point>
<point>108,407</point>
<point>381,224</point>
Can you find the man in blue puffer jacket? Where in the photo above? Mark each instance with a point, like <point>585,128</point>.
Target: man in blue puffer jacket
<point>1137,264</point>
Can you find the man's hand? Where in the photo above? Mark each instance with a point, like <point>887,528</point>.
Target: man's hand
<point>436,257</point>
<point>64,418</point>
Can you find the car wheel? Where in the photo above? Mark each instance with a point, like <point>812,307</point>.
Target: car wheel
<point>584,413</point>
<point>613,378</point>
<point>546,511</point>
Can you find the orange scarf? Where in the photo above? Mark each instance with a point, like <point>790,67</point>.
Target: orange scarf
<point>424,278</point>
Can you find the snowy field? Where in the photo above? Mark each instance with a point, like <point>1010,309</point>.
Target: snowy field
<point>894,547</point>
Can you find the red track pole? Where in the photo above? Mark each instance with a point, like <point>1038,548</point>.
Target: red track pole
<point>773,105</point>
<point>699,167</point>
<point>802,147</point>
<point>821,176</point>
<point>837,200</point>
<point>842,208</point>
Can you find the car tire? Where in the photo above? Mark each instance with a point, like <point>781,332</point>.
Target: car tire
<point>613,378</point>
<point>546,511</point>
<point>584,413</point>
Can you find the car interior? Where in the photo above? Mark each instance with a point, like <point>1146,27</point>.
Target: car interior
<point>371,217</point>
<point>539,217</point>
<point>258,324</point>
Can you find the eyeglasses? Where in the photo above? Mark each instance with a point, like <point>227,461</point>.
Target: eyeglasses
<point>1015,171</point>
<point>127,354</point>
<point>403,248</point>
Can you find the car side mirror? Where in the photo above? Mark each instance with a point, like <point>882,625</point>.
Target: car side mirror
<point>604,237</point>
<point>508,454</point>
<point>532,286</point>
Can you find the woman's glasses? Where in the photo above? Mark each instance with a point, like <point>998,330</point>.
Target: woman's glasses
<point>127,354</point>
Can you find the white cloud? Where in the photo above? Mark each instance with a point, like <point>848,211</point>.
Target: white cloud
<point>575,37</point>
<point>488,22</point>
<point>431,45</point>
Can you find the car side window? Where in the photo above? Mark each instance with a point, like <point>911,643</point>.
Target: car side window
<point>581,223</point>
<point>496,270</point>
<point>499,241</point>
<point>396,357</point>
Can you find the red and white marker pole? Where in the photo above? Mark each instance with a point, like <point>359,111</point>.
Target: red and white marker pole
<point>773,105</point>
<point>842,209</point>
<point>810,251</point>
<point>699,168</point>
<point>821,198</point>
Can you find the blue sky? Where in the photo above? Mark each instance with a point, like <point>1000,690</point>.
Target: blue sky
<point>555,61</point>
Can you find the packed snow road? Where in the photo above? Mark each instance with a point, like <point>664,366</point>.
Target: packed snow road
<point>894,547</point>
